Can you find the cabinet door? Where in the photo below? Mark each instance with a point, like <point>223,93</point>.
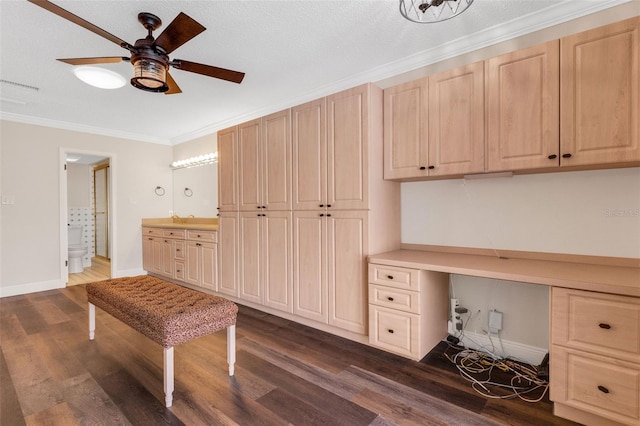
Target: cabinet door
<point>192,275</point>
<point>523,109</point>
<point>228,253</point>
<point>347,270</point>
<point>168,253</point>
<point>249,261</point>
<point>600,95</point>
<point>147,253</point>
<point>250,166</point>
<point>209,266</point>
<point>309,265</point>
<point>456,121</point>
<point>157,248</point>
<point>406,139</point>
<point>347,136</point>
<point>309,145</point>
<point>276,260</point>
<point>228,169</point>
<point>276,161</point>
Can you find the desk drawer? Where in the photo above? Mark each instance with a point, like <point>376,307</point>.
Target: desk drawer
<point>206,236</point>
<point>392,276</point>
<point>394,331</point>
<point>602,323</point>
<point>408,301</point>
<point>596,385</point>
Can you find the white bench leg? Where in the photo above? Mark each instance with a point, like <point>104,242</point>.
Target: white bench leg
<point>168,376</point>
<point>231,348</point>
<point>92,321</point>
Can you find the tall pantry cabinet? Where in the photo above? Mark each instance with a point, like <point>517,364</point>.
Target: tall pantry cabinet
<point>339,203</point>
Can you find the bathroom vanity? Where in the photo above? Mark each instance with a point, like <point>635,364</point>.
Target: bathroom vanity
<point>185,252</point>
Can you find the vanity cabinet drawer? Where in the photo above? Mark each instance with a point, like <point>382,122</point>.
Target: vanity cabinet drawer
<point>596,384</point>
<point>394,331</point>
<point>392,276</point>
<point>393,298</point>
<point>602,323</point>
<point>152,232</point>
<point>207,236</point>
<point>174,233</point>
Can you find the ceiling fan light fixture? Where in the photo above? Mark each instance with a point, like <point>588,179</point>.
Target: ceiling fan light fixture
<point>150,75</point>
<point>100,77</point>
<point>430,11</point>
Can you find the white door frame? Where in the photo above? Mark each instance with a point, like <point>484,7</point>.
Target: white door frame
<point>64,258</point>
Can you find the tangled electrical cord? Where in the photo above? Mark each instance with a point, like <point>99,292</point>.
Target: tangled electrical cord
<point>479,367</point>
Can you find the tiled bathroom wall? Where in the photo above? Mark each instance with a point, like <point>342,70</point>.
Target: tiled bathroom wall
<point>83,216</point>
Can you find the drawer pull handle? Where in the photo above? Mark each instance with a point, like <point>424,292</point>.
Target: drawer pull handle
<point>605,326</point>
<point>390,331</point>
<point>603,389</point>
<point>177,249</point>
<point>177,270</point>
<point>390,277</point>
<point>390,299</point>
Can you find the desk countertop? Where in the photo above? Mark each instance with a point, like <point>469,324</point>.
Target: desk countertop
<point>592,277</point>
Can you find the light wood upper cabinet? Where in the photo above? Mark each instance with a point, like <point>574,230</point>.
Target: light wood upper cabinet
<point>523,109</point>
<point>264,152</point>
<point>406,138</point>
<point>228,169</point>
<point>456,121</point>
<point>348,126</point>
<point>309,141</point>
<point>600,95</point>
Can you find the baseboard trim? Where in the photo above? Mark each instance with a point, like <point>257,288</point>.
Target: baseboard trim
<point>17,290</point>
<point>529,354</point>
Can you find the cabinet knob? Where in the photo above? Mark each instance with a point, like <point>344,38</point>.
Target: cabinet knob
<point>264,207</point>
<point>198,244</point>
<point>321,214</point>
<point>423,168</point>
<point>328,205</point>
<point>328,214</point>
<point>552,157</point>
<point>390,331</point>
<point>604,325</point>
<point>177,249</point>
<point>259,207</point>
<point>390,299</point>
<point>603,389</point>
<point>390,277</point>
<point>198,235</point>
<point>432,167</point>
<point>566,155</point>
<point>177,270</point>
<point>321,205</point>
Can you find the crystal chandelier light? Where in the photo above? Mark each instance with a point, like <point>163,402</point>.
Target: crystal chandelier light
<point>429,11</point>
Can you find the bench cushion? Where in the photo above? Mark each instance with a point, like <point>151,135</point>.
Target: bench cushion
<point>166,313</point>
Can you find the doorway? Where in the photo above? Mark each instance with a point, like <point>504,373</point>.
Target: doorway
<point>86,194</point>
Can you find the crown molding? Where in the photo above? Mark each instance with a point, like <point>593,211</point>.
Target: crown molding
<point>25,119</point>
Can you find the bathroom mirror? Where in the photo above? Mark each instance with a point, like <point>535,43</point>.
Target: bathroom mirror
<point>195,191</point>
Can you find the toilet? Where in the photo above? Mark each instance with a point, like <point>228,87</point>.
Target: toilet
<point>76,249</point>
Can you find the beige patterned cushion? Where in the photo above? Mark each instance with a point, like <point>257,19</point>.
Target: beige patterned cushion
<point>164,312</point>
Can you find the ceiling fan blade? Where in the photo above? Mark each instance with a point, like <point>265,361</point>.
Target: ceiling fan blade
<point>208,70</point>
<point>182,29</point>
<point>91,61</point>
<point>47,5</point>
<point>173,86</point>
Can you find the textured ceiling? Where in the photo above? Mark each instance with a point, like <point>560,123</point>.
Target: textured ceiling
<point>291,52</point>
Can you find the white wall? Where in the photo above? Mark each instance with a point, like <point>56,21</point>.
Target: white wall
<point>78,185</point>
<point>202,180</point>
<point>30,163</point>
<point>589,213</point>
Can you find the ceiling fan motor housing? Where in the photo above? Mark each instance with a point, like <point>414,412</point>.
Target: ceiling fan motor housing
<point>150,67</point>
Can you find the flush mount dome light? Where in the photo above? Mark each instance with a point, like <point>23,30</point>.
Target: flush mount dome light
<point>100,77</point>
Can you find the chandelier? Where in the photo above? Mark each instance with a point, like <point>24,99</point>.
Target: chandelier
<point>429,11</point>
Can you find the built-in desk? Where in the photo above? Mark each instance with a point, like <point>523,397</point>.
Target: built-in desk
<point>595,319</point>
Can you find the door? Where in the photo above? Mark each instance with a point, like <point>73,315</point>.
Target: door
<point>456,121</point>
<point>101,210</point>
<point>406,125</point>
<point>523,109</point>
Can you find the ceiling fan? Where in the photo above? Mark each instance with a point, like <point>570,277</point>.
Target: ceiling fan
<point>149,55</point>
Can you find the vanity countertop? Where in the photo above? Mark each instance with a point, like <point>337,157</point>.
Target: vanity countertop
<point>208,224</point>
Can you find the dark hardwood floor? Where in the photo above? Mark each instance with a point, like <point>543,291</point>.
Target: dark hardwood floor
<point>286,373</point>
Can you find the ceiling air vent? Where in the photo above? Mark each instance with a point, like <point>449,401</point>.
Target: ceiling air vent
<point>20,85</point>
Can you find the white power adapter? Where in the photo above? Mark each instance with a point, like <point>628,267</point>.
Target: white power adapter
<point>495,321</point>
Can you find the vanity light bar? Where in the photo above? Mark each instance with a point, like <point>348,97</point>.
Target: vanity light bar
<point>200,160</point>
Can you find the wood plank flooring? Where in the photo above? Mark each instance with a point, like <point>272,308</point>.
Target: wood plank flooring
<point>286,374</point>
<point>98,271</point>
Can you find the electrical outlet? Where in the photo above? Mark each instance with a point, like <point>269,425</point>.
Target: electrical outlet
<point>495,321</point>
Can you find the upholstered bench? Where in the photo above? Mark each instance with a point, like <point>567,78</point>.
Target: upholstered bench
<point>164,312</point>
